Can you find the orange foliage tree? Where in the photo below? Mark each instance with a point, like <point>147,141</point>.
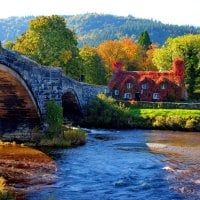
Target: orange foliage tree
<point>124,50</point>
<point>147,63</point>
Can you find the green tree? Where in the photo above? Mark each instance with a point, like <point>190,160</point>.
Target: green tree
<point>93,68</point>
<point>147,51</point>
<point>54,118</point>
<point>49,42</point>
<point>144,40</point>
<point>186,47</point>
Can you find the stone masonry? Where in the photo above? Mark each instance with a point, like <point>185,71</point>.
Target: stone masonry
<point>45,83</point>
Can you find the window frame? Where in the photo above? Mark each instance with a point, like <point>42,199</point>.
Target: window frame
<point>163,86</point>
<point>127,95</point>
<point>144,86</point>
<point>156,95</point>
<point>116,92</point>
<point>129,85</point>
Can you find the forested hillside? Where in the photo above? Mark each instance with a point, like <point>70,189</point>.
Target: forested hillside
<point>92,29</point>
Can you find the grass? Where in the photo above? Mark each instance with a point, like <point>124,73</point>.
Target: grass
<point>147,112</point>
<point>69,137</point>
<point>106,112</point>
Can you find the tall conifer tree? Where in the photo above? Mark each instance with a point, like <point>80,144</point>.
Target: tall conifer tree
<point>144,40</point>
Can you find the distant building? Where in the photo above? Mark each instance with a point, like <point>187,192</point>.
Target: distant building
<point>148,85</point>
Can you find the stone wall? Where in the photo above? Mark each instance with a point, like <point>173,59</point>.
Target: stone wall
<point>177,105</point>
<point>43,83</point>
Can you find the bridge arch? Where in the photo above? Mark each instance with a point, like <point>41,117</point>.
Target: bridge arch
<point>71,105</point>
<point>17,103</point>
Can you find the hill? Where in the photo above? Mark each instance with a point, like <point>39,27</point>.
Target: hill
<point>92,29</point>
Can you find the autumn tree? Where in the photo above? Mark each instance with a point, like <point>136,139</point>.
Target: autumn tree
<point>124,51</point>
<point>93,68</point>
<point>147,63</point>
<point>186,47</point>
<point>49,42</point>
<point>9,45</point>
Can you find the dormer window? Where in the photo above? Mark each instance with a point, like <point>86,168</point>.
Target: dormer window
<point>129,85</point>
<point>144,86</point>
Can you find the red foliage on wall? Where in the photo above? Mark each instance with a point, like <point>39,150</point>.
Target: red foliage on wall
<point>179,69</point>
<point>148,85</point>
<point>117,66</point>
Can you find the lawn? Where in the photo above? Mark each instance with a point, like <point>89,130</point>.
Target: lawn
<point>148,112</point>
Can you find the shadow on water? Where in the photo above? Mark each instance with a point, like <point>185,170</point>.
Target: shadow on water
<point>137,147</point>
<point>12,125</point>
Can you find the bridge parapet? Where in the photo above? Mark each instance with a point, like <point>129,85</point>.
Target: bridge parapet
<point>83,91</point>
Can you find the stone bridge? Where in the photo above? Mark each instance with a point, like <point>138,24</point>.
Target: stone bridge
<point>26,86</point>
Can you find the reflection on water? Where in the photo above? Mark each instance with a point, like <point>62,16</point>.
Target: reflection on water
<point>113,165</point>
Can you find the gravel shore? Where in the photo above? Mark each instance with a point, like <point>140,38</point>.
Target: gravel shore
<point>188,152</point>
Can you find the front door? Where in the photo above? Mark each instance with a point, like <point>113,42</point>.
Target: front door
<point>137,96</point>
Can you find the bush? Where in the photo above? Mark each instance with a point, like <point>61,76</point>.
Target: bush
<point>58,135</point>
<point>5,195</point>
<point>75,136</point>
<point>159,122</point>
<point>54,118</point>
<point>106,112</point>
<point>54,142</point>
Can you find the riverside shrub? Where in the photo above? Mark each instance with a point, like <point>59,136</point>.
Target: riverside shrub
<point>106,112</point>
<point>54,118</point>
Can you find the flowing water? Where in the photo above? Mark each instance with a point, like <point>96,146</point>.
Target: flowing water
<point>131,164</point>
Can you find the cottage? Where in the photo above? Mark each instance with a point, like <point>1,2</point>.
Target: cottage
<point>148,85</point>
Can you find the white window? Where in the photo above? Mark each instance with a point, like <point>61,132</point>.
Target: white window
<point>127,95</point>
<point>144,86</point>
<point>156,96</point>
<point>129,85</point>
<point>116,92</point>
<point>163,86</point>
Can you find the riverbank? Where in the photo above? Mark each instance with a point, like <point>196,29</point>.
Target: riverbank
<point>187,145</point>
<point>23,169</point>
<point>106,112</point>
<point>189,152</point>
<point>68,137</point>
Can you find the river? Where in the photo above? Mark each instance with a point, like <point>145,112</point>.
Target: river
<point>126,164</point>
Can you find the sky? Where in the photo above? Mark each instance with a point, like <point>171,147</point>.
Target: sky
<point>181,12</point>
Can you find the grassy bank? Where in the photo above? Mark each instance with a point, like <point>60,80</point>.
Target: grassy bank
<point>152,113</point>
<point>69,137</point>
<point>106,112</point>
<point>58,135</point>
